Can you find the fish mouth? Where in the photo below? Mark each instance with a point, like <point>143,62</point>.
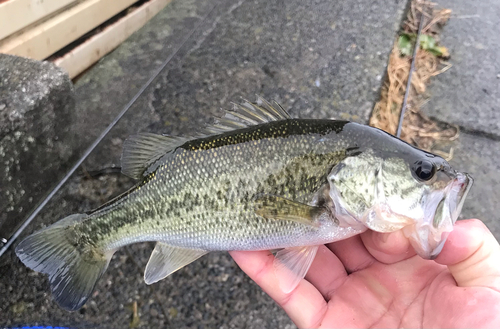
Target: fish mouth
<point>460,188</point>
<point>441,211</point>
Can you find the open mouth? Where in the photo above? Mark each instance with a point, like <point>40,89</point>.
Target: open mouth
<point>453,200</point>
<point>458,193</point>
<point>449,202</point>
<point>443,211</point>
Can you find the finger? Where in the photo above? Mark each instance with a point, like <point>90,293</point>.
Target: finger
<point>304,305</point>
<point>388,248</point>
<point>472,255</point>
<point>327,272</point>
<point>352,253</point>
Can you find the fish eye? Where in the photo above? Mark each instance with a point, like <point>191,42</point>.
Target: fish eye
<point>423,170</point>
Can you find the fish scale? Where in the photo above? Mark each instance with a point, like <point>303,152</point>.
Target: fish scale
<point>255,180</point>
<point>204,190</point>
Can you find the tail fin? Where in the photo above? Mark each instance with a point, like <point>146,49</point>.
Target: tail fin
<point>72,266</point>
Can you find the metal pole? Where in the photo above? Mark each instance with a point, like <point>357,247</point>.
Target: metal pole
<point>412,68</point>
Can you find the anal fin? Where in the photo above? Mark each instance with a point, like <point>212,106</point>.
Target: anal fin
<point>291,265</point>
<point>166,259</point>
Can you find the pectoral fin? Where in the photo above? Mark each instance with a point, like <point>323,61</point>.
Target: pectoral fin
<point>275,207</point>
<point>166,259</point>
<point>292,264</point>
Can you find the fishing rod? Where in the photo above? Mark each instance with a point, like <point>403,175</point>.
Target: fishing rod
<point>101,137</point>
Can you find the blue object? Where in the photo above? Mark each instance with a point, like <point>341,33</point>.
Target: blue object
<point>36,327</point>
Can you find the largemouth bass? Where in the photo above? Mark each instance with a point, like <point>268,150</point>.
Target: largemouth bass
<point>255,180</point>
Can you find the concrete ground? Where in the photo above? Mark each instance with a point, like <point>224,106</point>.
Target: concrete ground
<point>468,95</point>
<point>321,60</point>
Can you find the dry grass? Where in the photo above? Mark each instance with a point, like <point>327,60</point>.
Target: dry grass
<point>418,129</point>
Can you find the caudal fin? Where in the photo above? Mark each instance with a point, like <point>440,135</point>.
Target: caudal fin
<point>72,266</point>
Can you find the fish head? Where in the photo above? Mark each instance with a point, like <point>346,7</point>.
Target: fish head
<point>420,194</point>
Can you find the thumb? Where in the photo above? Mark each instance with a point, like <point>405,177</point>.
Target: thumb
<point>472,255</point>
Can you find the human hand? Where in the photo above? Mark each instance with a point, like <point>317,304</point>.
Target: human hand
<point>376,280</point>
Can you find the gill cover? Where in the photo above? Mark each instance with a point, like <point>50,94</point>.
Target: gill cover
<point>374,192</point>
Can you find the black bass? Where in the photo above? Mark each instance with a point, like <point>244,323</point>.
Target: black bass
<point>255,180</point>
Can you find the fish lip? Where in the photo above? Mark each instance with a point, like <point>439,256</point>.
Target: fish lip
<point>453,197</point>
<point>463,182</point>
<point>431,237</point>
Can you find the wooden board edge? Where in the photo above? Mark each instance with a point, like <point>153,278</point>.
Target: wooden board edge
<point>18,14</point>
<point>41,41</point>
<point>86,54</point>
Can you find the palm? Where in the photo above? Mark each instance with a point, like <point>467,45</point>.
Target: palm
<point>412,293</point>
<point>369,282</point>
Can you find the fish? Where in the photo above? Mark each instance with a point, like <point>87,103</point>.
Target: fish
<point>256,179</point>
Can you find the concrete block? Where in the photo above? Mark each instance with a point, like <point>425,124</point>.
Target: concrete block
<point>36,109</point>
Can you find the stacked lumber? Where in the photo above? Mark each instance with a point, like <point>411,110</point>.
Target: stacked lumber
<point>40,29</point>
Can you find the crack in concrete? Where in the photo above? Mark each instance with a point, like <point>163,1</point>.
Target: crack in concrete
<point>480,133</point>
<point>209,31</point>
<point>470,131</point>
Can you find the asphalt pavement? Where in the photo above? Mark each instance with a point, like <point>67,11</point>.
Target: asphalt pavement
<point>320,59</point>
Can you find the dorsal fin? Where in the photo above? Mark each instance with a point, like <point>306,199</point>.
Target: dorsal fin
<point>142,150</point>
<point>247,114</point>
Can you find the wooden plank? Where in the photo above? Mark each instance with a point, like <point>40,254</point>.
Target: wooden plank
<point>17,14</point>
<point>39,42</point>
<point>99,45</point>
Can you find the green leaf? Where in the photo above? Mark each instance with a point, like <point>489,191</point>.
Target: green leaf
<point>405,44</point>
<point>427,42</point>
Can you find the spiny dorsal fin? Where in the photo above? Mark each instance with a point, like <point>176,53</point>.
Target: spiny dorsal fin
<point>247,114</point>
<point>142,150</point>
